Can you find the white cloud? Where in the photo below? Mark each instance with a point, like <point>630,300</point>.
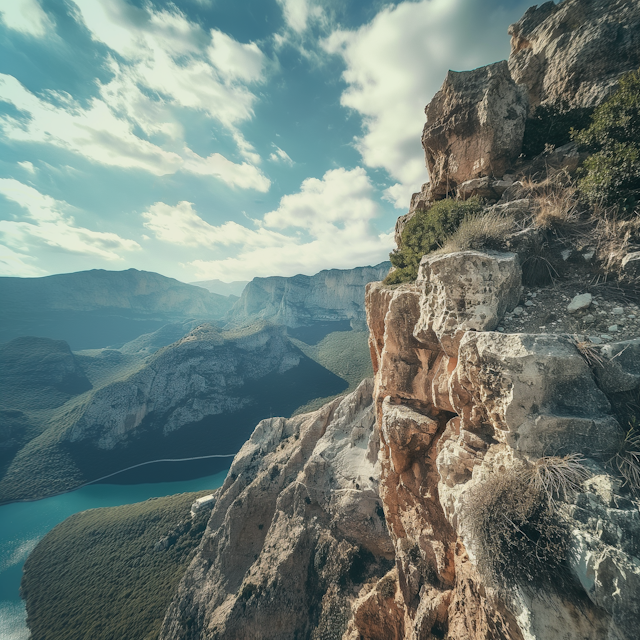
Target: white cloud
<point>327,224</point>
<point>296,13</point>
<point>17,264</point>
<point>279,155</point>
<point>27,166</point>
<point>25,16</point>
<point>396,63</point>
<point>48,222</point>
<point>165,64</point>
<point>181,225</point>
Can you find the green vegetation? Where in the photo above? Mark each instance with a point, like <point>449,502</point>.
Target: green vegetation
<point>611,175</point>
<point>550,126</point>
<point>427,231</point>
<point>345,353</point>
<point>101,574</point>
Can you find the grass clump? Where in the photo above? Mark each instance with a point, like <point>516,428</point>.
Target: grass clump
<point>626,460</point>
<point>558,478</point>
<point>427,231</point>
<point>520,538</point>
<point>611,175</point>
<point>484,231</point>
<point>102,574</point>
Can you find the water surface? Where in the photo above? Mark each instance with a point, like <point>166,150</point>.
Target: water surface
<point>23,524</point>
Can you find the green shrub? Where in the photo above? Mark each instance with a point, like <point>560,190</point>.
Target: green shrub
<point>550,126</point>
<point>611,175</point>
<point>425,232</point>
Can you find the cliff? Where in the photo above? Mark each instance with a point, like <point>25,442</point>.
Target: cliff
<point>330,296</point>
<point>297,535</point>
<point>504,452</point>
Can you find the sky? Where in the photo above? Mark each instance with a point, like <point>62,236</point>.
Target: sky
<point>220,139</point>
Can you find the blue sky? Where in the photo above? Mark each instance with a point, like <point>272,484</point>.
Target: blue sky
<point>221,139</point>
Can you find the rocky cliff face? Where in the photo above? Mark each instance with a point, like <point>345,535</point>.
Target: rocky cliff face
<point>329,296</point>
<point>297,545</point>
<point>573,53</point>
<point>204,374</point>
<point>460,404</point>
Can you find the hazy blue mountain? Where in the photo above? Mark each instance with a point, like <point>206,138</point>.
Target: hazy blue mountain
<point>311,306</point>
<point>98,308</point>
<point>234,288</point>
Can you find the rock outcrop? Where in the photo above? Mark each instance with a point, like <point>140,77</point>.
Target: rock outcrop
<point>206,373</point>
<point>297,545</point>
<point>334,295</point>
<point>571,54</point>
<point>475,126</point>
<point>457,404</point>
<point>566,56</point>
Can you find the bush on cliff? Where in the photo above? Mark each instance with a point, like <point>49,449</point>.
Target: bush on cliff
<point>520,538</point>
<point>427,231</point>
<point>611,175</point>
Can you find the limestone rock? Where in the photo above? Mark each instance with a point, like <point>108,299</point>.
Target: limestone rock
<point>333,295</point>
<point>467,290</point>
<point>579,302</point>
<point>620,368</point>
<point>297,534</point>
<point>536,391</point>
<point>475,126</point>
<point>574,52</point>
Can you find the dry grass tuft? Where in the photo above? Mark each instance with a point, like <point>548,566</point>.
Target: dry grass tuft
<point>627,460</point>
<point>588,352</point>
<point>520,537</point>
<point>613,238</point>
<point>486,231</point>
<point>558,478</point>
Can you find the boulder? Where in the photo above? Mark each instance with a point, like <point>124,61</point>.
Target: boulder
<point>580,302</point>
<point>571,54</point>
<point>475,126</point>
<point>465,291</point>
<point>620,368</point>
<point>536,391</point>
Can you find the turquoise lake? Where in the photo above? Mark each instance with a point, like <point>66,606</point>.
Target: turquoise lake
<point>23,524</point>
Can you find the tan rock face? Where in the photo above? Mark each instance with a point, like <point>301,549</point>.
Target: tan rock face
<point>475,126</point>
<point>574,52</point>
<point>297,540</point>
<point>457,403</point>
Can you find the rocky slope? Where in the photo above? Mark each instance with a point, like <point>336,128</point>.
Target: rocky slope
<point>330,296</point>
<point>98,308</point>
<point>297,538</point>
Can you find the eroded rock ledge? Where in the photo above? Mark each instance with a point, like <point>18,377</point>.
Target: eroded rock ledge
<point>458,403</point>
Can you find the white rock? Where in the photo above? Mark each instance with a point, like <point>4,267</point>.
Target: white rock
<point>613,328</point>
<point>617,311</point>
<point>581,301</point>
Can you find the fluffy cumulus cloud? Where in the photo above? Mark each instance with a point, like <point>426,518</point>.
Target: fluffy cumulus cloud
<point>48,221</point>
<point>181,225</point>
<point>25,16</point>
<point>161,63</point>
<point>327,223</point>
<point>396,63</point>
